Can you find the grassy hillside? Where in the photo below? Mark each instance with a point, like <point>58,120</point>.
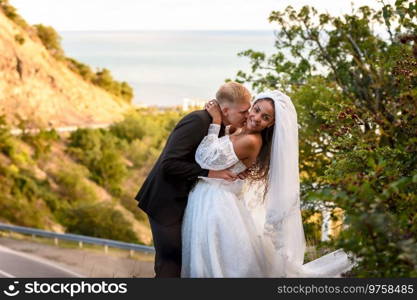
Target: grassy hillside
<point>84,182</point>
<point>81,182</point>
<point>39,83</point>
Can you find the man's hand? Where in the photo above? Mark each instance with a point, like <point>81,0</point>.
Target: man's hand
<point>223,174</point>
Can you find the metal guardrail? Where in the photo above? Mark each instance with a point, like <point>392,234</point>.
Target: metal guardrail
<point>77,238</point>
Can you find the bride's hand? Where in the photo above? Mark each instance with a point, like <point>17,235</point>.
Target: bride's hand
<point>243,175</point>
<point>213,108</point>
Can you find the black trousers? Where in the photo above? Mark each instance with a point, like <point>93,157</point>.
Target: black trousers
<point>167,243</point>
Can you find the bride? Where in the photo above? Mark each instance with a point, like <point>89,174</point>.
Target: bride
<point>252,227</point>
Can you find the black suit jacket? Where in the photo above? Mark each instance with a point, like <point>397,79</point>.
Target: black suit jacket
<point>163,195</point>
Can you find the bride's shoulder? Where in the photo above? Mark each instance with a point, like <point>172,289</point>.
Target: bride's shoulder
<point>246,145</point>
<point>252,140</point>
<point>255,139</point>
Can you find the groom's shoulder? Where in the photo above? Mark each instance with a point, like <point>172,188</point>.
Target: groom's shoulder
<point>201,116</point>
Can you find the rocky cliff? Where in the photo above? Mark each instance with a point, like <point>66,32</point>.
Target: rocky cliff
<point>38,88</point>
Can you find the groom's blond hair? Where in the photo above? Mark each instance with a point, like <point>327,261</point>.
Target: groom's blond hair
<point>232,93</point>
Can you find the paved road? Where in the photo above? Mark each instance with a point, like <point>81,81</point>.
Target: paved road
<point>18,264</point>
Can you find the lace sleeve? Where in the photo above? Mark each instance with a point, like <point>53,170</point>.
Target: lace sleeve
<point>215,153</point>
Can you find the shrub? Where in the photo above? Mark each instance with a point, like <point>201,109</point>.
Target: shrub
<point>104,79</point>
<point>85,145</point>
<point>146,123</point>
<point>41,142</point>
<point>142,152</point>
<point>109,170</point>
<point>50,39</point>
<point>131,204</point>
<point>6,139</point>
<point>99,220</point>
<point>355,94</point>
<point>73,186</point>
<point>12,14</point>
<point>19,38</point>
<point>134,126</point>
<point>99,152</point>
<point>25,200</point>
<point>126,91</point>
<point>82,69</point>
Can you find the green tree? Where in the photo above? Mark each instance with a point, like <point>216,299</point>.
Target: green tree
<point>101,220</point>
<point>355,92</point>
<point>82,69</point>
<point>126,91</point>
<point>12,14</point>
<point>50,39</point>
<point>104,79</point>
<point>99,151</point>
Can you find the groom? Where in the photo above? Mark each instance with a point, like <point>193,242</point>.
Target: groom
<point>163,195</point>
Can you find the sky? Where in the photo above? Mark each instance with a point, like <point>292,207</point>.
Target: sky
<point>90,15</point>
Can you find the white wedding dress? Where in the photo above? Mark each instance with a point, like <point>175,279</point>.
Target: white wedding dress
<point>228,231</point>
<point>218,237</point>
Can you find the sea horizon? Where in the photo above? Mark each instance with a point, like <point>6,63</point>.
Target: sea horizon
<point>165,67</point>
<point>168,30</point>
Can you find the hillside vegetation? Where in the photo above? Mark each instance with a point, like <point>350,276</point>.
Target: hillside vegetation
<point>82,182</point>
<point>40,84</point>
<point>85,182</point>
<point>353,79</point>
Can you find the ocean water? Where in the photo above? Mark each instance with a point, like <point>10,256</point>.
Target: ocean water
<point>165,67</point>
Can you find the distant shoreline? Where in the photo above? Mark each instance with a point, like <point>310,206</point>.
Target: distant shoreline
<point>165,67</point>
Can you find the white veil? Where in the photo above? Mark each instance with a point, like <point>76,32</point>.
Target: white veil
<point>278,219</point>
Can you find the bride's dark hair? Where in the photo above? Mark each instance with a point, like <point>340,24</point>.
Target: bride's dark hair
<point>260,170</point>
